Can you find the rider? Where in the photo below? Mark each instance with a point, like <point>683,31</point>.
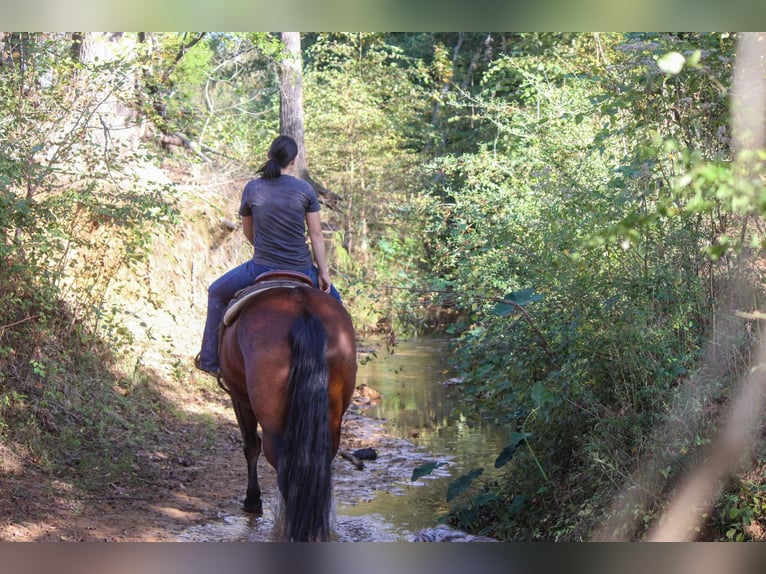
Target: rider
<point>276,209</point>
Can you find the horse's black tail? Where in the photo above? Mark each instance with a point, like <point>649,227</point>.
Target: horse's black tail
<point>305,455</point>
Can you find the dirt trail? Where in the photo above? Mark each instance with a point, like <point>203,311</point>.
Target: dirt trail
<point>172,494</point>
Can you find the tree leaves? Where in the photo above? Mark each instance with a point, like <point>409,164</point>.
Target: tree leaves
<point>510,450</point>
<point>458,486</point>
<point>674,62</point>
<point>520,298</point>
<point>425,469</point>
<point>671,63</point>
<point>541,396</point>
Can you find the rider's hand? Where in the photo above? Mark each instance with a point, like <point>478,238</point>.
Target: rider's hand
<point>324,281</point>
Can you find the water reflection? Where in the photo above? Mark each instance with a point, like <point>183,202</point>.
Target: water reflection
<point>418,405</point>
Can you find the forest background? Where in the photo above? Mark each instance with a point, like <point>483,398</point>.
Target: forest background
<point>566,207</point>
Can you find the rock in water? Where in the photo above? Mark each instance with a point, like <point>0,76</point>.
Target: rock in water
<point>365,454</point>
<point>444,533</point>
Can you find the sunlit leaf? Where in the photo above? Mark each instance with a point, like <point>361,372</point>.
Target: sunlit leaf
<point>671,63</point>
<point>694,59</point>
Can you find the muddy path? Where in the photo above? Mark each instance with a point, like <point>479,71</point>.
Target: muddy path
<point>197,498</point>
<point>389,473</point>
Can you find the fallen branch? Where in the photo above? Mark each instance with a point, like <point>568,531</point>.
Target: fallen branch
<point>19,322</point>
<point>358,464</point>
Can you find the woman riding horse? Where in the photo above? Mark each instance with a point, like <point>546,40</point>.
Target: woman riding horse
<point>276,209</point>
<point>288,359</point>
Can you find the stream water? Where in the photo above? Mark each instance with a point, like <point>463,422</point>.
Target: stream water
<point>418,405</point>
<point>415,422</point>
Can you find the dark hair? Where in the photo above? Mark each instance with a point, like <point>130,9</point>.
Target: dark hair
<point>282,151</point>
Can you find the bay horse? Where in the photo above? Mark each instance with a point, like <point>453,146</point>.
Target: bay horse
<point>288,361</point>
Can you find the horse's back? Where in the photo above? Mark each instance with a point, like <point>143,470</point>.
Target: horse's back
<point>266,321</point>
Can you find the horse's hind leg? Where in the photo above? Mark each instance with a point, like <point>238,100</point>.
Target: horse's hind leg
<point>252,446</point>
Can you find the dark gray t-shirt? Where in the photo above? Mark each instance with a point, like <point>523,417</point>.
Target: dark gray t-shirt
<point>279,207</point>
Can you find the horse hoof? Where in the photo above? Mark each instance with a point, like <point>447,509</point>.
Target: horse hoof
<point>253,507</point>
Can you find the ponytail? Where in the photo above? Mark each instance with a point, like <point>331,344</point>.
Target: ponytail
<point>271,169</point>
<point>283,150</point>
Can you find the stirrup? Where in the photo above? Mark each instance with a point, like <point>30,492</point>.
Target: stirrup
<point>198,364</point>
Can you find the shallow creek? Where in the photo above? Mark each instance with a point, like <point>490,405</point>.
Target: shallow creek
<point>415,422</point>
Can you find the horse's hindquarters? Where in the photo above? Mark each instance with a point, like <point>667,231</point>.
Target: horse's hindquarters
<point>291,357</point>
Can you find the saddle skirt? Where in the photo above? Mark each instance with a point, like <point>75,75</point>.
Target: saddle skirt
<point>263,282</point>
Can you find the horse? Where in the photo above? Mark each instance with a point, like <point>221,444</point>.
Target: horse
<point>288,361</point>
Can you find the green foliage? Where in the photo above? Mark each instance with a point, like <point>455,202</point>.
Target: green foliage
<point>364,117</point>
<point>461,484</point>
<point>614,195</point>
<point>218,89</point>
<point>66,201</point>
<point>507,453</point>
<point>741,512</point>
<point>74,215</point>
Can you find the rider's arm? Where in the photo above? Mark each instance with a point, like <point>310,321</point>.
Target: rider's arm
<point>314,224</point>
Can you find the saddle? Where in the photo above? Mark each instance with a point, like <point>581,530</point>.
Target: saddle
<point>263,282</point>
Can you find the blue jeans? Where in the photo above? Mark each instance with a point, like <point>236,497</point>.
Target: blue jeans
<point>222,291</point>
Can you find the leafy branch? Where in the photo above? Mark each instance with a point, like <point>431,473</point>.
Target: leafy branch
<point>515,301</point>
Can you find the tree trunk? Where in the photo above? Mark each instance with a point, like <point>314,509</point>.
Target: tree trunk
<point>291,111</point>
<point>291,99</point>
<point>117,119</point>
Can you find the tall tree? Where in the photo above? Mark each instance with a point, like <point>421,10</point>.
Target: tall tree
<point>291,110</point>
